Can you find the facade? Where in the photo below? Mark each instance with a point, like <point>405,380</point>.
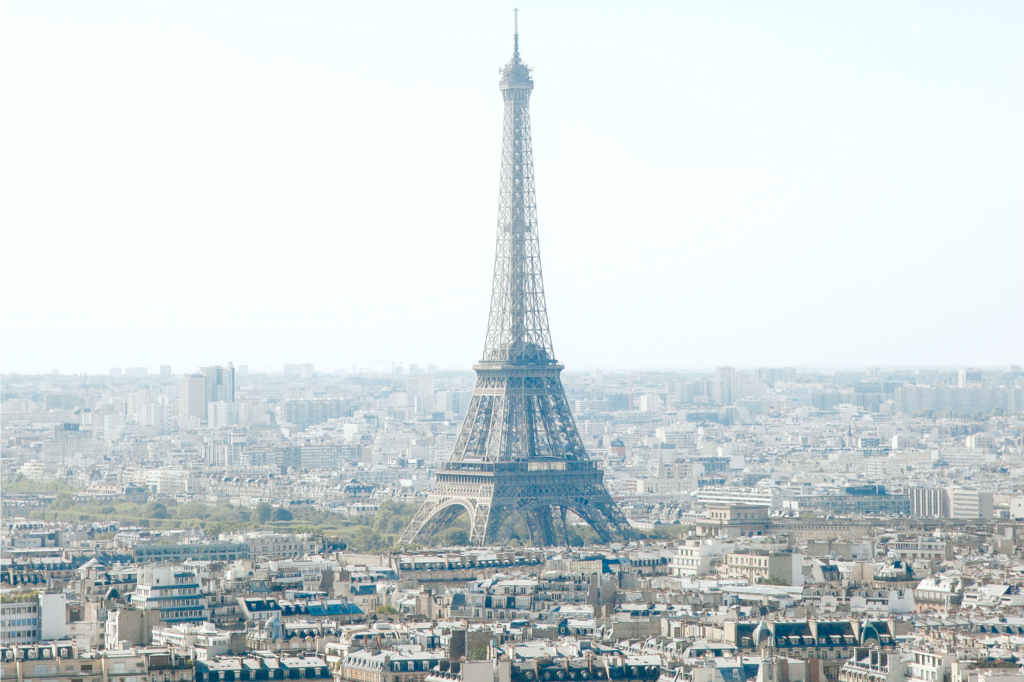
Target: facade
<point>222,414</point>
<point>734,520</point>
<point>857,503</point>
<point>20,618</point>
<point>726,385</point>
<point>536,599</point>
<point>831,642</point>
<point>262,666</point>
<point>306,413</point>
<point>197,641</point>
<point>386,666</point>
<point>914,547</point>
<point>871,665</point>
<point>969,504</point>
<point>192,396</point>
<point>262,543</point>
<point>62,662</point>
<point>174,594</point>
<point>220,383</point>
<point>929,666</point>
<point>721,495</point>
<point>759,566</point>
<point>200,551</point>
<point>929,502</point>
<point>938,594</point>
<point>695,557</point>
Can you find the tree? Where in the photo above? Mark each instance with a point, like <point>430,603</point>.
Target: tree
<point>63,502</point>
<point>155,510</point>
<point>454,536</point>
<point>387,609</point>
<point>773,580</point>
<point>262,513</point>
<point>192,510</point>
<point>281,514</point>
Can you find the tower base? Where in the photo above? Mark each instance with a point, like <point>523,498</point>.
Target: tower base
<point>539,492</point>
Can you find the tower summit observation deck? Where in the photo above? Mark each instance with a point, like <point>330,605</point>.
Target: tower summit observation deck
<point>518,463</point>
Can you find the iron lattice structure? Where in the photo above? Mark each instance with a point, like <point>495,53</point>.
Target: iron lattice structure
<point>518,457</point>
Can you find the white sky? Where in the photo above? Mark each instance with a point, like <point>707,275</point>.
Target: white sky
<point>745,183</point>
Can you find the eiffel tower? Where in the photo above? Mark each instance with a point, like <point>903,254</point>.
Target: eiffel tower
<point>518,457</point>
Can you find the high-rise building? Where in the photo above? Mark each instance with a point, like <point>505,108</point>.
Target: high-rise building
<point>220,383</point>
<point>222,413</point>
<point>969,504</point>
<point>157,416</point>
<point>192,396</point>
<point>731,386</point>
<point>929,502</point>
<point>726,380</point>
<point>770,375</point>
<point>420,386</point>
<point>968,377</point>
<point>165,371</point>
<point>302,370</point>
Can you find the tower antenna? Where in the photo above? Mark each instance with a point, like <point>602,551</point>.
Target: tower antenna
<point>516,11</point>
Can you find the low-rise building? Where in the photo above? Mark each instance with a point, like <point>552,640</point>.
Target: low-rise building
<point>172,593</point>
<point>872,665</point>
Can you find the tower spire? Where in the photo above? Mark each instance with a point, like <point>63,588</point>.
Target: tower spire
<point>515,53</point>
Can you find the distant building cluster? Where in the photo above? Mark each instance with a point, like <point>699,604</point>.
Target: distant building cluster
<point>795,527</point>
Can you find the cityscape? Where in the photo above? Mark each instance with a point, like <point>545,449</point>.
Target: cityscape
<point>516,519</point>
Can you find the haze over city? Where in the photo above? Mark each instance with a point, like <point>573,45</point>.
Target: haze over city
<point>745,184</point>
<point>286,393</point>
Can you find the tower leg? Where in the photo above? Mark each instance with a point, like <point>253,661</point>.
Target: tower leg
<point>548,525</point>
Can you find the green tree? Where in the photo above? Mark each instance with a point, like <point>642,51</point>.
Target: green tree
<point>155,510</point>
<point>192,510</point>
<point>262,513</point>
<point>773,580</point>
<point>388,609</point>
<point>454,536</point>
<point>280,514</point>
<point>63,501</point>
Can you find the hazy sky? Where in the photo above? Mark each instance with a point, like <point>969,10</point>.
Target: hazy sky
<point>742,183</point>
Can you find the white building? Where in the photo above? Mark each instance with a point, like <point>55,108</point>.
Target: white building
<point>200,642</point>
<point>192,396</point>
<point>695,557</point>
<point>222,414</point>
<point>276,545</point>
<point>969,504</point>
<point>53,616</point>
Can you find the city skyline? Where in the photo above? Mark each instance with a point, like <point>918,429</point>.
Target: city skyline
<point>261,226</point>
<point>794,185</point>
